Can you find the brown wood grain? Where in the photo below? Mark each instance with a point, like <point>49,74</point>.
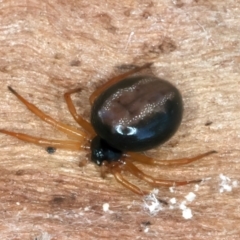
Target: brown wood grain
<point>50,47</point>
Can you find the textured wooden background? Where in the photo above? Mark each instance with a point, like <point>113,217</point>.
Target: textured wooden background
<point>48,47</point>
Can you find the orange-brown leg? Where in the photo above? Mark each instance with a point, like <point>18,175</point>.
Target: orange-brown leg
<point>114,80</point>
<point>69,130</point>
<point>63,144</point>
<point>152,161</point>
<point>82,122</point>
<point>128,166</point>
<point>115,168</point>
<point>118,176</point>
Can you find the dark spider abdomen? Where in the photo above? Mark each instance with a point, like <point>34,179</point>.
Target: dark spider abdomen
<point>137,113</point>
<point>102,151</point>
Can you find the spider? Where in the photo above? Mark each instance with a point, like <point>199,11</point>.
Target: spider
<point>130,114</point>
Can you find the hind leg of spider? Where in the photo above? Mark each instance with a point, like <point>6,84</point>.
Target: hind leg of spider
<point>69,130</point>
<point>114,80</point>
<point>63,144</point>
<point>152,161</point>
<point>115,169</point>
<point>118,176</point>
<point>80,120</point>
<point>128,166</point>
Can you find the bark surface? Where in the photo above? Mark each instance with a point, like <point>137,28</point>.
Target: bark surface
<point>49,47</point>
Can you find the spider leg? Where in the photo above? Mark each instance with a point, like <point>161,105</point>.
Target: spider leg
<point>63,144</point>
<point>118,176</point>
<point>115,169</point>
<point>151,161</point>
<point>69,130</point>
<point>128,166</point>
<point>114,80</point>
<point>81,121</point>
<point>105,168</point>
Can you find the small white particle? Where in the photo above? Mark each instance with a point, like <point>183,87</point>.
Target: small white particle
<point>235,183</point>
<point>182,206</point>
<point>224,178</point>
<point>206,179</point>
<point>171,189</point>
<point>105,207</point>
<point>187,213</point>
<point>146,230</point>
<point>129,40</point>
<point>173,200</point>
<point>86,209</point>
<point>190,197</point>
<point>155,191</point>
<point>18,203</point>
<point>225,187</point>
<point>196,187</point>
<point>43,236</point>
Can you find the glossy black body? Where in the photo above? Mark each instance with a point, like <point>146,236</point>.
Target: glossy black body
<point>137,113</point>
<point>102,151</point>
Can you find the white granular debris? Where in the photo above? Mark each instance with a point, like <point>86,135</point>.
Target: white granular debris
<point>173,200</point>
<point>235,183</point>
<point>146,230</point>
<point>152,204</point>
<point>226,188</point>
<point>105,207</point>
<point>206,179</point>
<point>86,209</point>
<point>187,213</point>
<point>171,189</point>
<point>182,205</point>
<point>155,191</point>
<point>43,236</point>
<point>226,184</point>
<point>196,187</point>
<point>224,178</point>
<point>190,197</point>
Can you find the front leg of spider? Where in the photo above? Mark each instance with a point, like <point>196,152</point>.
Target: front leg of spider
<point>79,137</point>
